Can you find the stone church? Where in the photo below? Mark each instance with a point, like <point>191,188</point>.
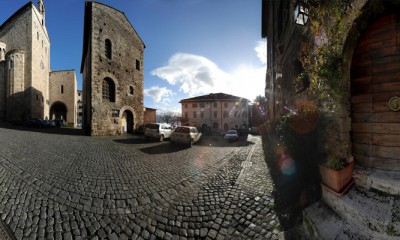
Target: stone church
<point>112,72</point>
<point>29,89</point>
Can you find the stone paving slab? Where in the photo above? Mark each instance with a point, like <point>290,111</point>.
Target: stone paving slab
<point>56,186</point>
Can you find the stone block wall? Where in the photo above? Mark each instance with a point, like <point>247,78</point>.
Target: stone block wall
<point>62,88</point>
<point>25,31</point>
<point>124,67</point>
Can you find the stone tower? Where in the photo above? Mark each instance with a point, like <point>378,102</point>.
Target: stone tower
<point>112,70</point>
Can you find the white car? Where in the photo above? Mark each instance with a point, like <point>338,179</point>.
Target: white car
<point>185,135</point>
<point>159,131</point>
<point>231,135</point>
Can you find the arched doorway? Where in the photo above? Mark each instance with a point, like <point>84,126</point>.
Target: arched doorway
<point>375,82</point>
<point>215,125</point>
<point>127,122</point>
<point>58,110</point>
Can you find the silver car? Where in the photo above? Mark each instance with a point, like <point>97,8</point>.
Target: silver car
<point>185,135</point>
<point>231,135</point>
<point>159,131</point>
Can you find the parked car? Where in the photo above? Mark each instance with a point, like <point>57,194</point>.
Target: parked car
<point>49,123</point>
<point>159,131</point>
<point>60,123</point>
<point>186,135</point>
<point>231,135</point>
<point>38,123</point>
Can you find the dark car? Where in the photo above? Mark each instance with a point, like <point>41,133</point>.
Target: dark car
<point>37,123</point>
<point>60,123</point>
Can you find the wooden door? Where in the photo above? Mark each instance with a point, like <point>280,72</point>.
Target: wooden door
<point>375,80</point>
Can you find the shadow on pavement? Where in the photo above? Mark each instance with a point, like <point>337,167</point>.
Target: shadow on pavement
<point>163,148</point>
<point>219,141</point>
<point>135,140</point>
<point>55,130</point>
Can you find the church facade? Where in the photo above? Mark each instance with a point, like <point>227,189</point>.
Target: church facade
<point>29,89</point>
<point>112,72</point>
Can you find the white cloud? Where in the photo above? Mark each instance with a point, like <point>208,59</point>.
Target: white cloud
<point>194,74</point>
<point>261,50</point>
<point>159,93</point>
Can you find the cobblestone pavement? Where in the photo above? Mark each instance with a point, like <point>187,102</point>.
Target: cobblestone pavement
<point>58,186</point>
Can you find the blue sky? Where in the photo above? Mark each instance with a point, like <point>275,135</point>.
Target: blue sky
<point>193,47</point>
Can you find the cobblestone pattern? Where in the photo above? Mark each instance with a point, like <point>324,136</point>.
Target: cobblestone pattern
<point>76,187</point>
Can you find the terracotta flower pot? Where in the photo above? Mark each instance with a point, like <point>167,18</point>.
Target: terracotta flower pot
<point>337,181</point>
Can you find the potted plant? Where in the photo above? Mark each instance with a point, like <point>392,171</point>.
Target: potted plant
<point>337,171</point>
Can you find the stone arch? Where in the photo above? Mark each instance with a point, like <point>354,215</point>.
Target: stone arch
<point>370,11</point>
<point>127,119</point>
<point>58,110</point>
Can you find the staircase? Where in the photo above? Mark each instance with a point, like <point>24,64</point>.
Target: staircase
<point>370,210</point>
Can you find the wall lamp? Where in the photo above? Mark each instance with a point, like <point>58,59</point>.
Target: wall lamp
<point>301,12</point>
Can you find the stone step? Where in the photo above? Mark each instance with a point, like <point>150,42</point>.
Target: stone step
<point>381,180</point>
<point>371,214</point>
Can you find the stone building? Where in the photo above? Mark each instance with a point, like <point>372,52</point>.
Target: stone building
<point>25,67</point>
<point>368,110</point>
<point>112,70</point>
<point>63,101</point>
<point>217,111</point>
<point>150,115</point>
<point>80,108</point>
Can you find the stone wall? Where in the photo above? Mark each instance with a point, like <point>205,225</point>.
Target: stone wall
<point>40,65</point>
<point>26,32</point>
<point>2,90</point>
<point>124,68</point>
<point>62,88</point>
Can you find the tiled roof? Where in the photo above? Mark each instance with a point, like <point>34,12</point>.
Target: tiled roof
<point>214,97</point>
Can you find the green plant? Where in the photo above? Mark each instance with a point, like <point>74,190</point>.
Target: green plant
<point>321,58</point>
<point>335,163</point>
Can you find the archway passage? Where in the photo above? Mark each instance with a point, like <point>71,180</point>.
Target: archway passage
<point>127,122</point>
<point>375,80</point>
<point>58,110</point>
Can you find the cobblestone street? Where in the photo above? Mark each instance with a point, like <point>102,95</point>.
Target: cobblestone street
<point>60,186</point>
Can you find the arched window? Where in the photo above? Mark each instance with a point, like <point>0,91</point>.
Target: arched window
<point>108,90</point>
<point>108,48</point>
<point>62,89</point>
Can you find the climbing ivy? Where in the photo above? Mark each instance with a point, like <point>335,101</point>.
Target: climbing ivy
<point>322,59</point>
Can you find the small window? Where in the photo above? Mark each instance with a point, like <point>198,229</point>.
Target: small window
<point>108,48</point>
<point>201,114</point>
<point>137,65</point>
<point>194,114</point>
<point>226,114</point>
<point>37,35</point>
<point>215,114</point>
<point>215,104</point>
<point>62,89</point>
<point>130,90</point>
<point>201,105</point>
<point>186,106</point>
<point>194,105</point>
<point>186,115</point>
<point>226,105</point>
